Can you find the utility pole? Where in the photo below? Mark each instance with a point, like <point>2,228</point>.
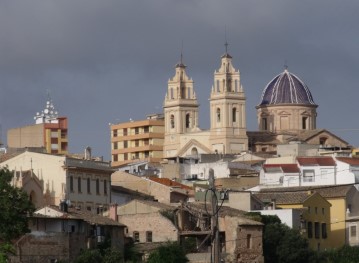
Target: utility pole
<point>214,219</point>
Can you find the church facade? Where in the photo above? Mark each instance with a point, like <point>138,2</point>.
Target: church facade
<point>227,132</point>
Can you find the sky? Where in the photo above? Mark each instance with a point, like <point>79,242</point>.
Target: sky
<point>108,61</point>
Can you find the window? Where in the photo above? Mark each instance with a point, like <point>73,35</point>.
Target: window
<point>125,132</point>
<point>234,115</point>
<point>136,236</point>
<point>317,230</point>
<point>323,210</point>
<point>136,130</point>
<point>353,231</point>
<point>264,124</point>
<point>137,143</point>
<point>148,236</point>
<point>54,134</point>
<point>324,230</point>
<point>316,210</point>
<point>79,184</point>
<point>146,129</point>
<point>304,123</point>
<point>249,241</point>
<point>88,185</point>
<point>172,121</point>
<point>71,184</point>
<point>236,85</point>
<point>323,141</point>
<point>97,186</point>
<point>308,175</point>
<point>115,145</point>
<point>125,144</point>
<point>125,156</point>
<point>105,187</point>
<point>115,157</point>
<point>114,133</point>
<point>310,229</point>
<point>218,87</point>
<point>218,114</point>
<point>188,120</point>
<point>171,93</point>
<point>188,93</point>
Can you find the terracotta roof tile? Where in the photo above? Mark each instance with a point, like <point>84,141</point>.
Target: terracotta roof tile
<point>326,191</point>
<point>283,197</point>
<point>349,160</point>
<point>321,161</point>
<point>286,168</point>
<point>169,182</point>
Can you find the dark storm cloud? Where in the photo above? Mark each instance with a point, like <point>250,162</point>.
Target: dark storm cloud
<point>108,61</point>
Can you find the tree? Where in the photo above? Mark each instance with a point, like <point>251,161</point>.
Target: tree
<point>281,243</point>
<point>15,208</point>
<point>169,253</point>
<point>89,256</point>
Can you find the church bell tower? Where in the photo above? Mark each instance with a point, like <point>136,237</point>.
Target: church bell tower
<point>227,110</point>
<point>180,110</point>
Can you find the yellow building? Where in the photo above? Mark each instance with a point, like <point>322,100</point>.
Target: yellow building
<point>316,214</point>
<point>135,141</point>
<point>344,210</point>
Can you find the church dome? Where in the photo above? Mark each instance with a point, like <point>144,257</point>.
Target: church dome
<point>286,88</point>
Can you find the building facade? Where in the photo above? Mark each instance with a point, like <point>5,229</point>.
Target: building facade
<point>84,183</point>
<point>136,141</point>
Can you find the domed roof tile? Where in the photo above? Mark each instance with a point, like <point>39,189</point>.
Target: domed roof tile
<point>286,88</point>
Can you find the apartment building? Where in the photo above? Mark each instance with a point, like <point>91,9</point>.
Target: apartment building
<point>135,141</point>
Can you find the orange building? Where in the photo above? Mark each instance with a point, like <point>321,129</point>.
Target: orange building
<point>135,141</point>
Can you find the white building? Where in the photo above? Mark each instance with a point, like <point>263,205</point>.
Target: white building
<point>311,171</point>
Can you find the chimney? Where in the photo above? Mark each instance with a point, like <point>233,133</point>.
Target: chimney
<point>113,212</point>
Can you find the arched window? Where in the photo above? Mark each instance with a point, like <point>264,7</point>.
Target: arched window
<point>188,93</point>
<point>236,85</point>
<point>183,92</point>
<point>218,113</point>
<point>304,123</point>
<point>218,87</point>
<point>172,121</point>
<point>194,151</point>
<point>188,120</point>
<point>229,85</point>
<point>234,115</point>
<point>171,93</point>
<point>323,141</point>
<point>264,124</point>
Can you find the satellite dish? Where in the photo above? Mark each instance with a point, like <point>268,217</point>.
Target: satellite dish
<point>46,111</point>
